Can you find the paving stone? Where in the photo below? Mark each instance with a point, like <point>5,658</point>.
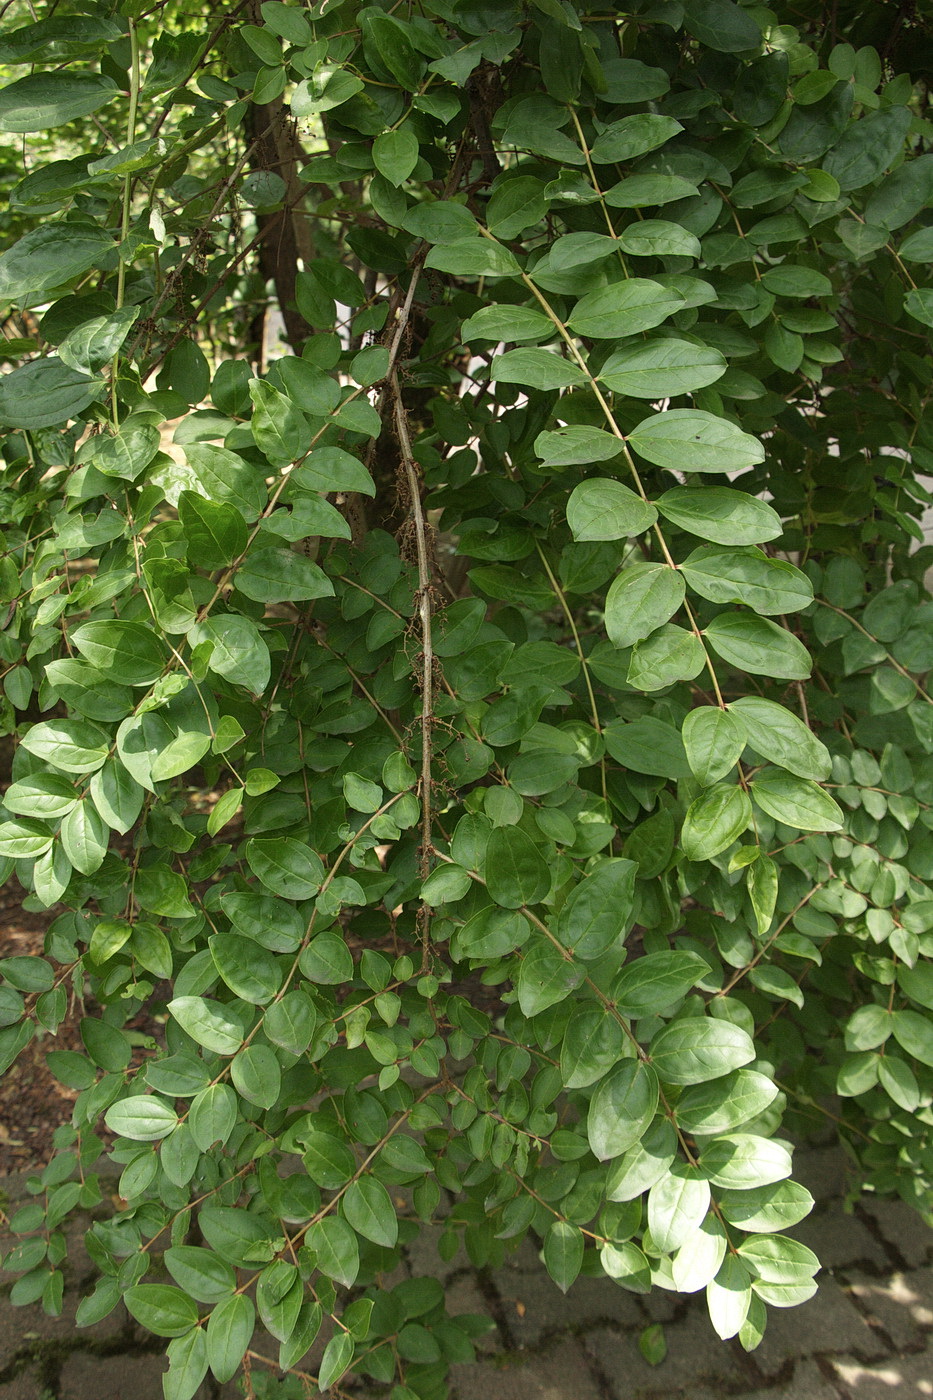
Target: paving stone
<point>840,1241</point>
<point>828,1323</point>
<point>695,1357</point>
<point>560,1373</point>
<point>462,1295</point>
<point>823,1171</point>
<point>534,1306</point>
<point>890,1380</point>
<point>901,1304</point>
<point>903,1229</point>
<point>422,1256</point>
<point>23,1387</point>
<point>804,1382</point>
<point>124,1377</point>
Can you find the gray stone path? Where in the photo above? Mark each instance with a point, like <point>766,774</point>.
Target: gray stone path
<point>867,1335</point>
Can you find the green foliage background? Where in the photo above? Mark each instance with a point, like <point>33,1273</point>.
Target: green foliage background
<point>477,754</point>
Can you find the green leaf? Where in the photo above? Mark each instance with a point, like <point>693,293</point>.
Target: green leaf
<point>659,238</point>
<point>647,745</point>
<point>625,308</point>
<point>763,883</point>
<point>662,368</point>
<point>603,509</point>
<point>90,346</point>
<point>516,203</point>
<point>774,1207</point>
<point>46,100</point>
<point>714,741</point>
<point>50,257</point>
<point>632,136</point>
<point>161,1308</point>
<point>790,280</point>
<point>512,323</point>
<point>782,737</point>
<point>621,1109</point>
<point>641,191</point>
<point>332,469</point>
<point>536,369</point>
<point>722,25</point>
<point>45,394</point>
<point>212,1116</point>
<point>85,837</point>
<point>256,1075</point>
<point>280,575</point>
<point>729,1297</point>
<point>327,960</point>
<point>699,1258</point>
<point>200,1273</point>
<point>285,866</point>
<point>545,976</point>
<point>919,304</point>
<point>127,454</point>
<point>128,652</point>
<point>243,1238</point>
<point>74,746</point>
<point>47,40</point>
<point>395,154</point>
<point>248,970</point>
<point>143,1118</point>
<point>796,802</point>
<point>669,655</point>
<point>744,574</point>
<point>227,477</point>
<point>677,1206</point>
<point>229,1333</point>
<point>563,1252</point>
<point>743,1160</point>
<point>444,221</point>
<point>714,821</point>
<point>24,840</point>
<point>598,911</point>
<point>592,1045</point>
<point>208,1023</point>
<point>279,430</point>
<point>238,652</point>
<point>329,86</point>
<point>42,795</point>
<point>914,1034</point>
<point>515,871</point>
<point>337,1357</point>
<point>337,1249</point>
<point>368,1207</point>
<point>655,981</point>
<point>640,599</point>
<point>759,646</point>
<point>868,147</point>
<point>188,1362</point>
<point>698,1049</point>
<point>725,1103</point>
<point>292,1349</point>
<point>777,1259</point>
<point>473,257</point>
<point>290,1022</point>
<point>914,982</point>
<point>571,446</point>
<point>224,810</point>
<point>686,439</point>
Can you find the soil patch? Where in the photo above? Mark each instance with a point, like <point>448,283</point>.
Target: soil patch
<point>32,1103</point>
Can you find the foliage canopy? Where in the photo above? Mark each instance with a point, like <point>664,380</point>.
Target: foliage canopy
<point>477,751</point>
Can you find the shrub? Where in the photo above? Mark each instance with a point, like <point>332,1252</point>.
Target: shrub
<point>475,755</point>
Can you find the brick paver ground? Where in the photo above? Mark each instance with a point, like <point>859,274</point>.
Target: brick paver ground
<point>867,1335</point>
